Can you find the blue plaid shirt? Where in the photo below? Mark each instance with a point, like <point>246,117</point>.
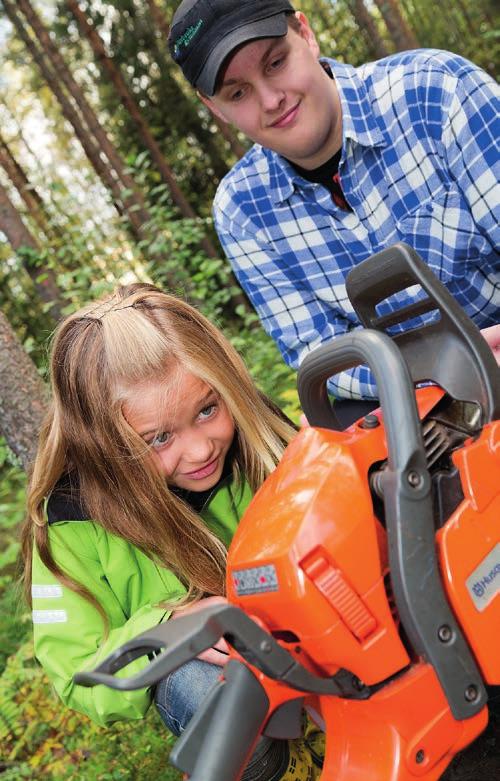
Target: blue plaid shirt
<point>419,164</point>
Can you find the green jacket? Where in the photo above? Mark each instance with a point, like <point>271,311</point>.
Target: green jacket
<point>68,630</point>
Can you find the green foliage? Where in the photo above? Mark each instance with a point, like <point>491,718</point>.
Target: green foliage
<point>12,497</point>
<point>267,367</point>
<point>180,125</point>
<point>40,738</point>
<point>467,28</point>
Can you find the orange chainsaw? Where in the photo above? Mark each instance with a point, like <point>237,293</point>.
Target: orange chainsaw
<point>364,578</point>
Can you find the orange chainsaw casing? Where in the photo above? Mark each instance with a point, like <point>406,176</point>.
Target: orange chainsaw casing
<point>465,541</point>
<point>318,557</point>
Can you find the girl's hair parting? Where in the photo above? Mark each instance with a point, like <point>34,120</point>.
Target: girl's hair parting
<point>101,353</point>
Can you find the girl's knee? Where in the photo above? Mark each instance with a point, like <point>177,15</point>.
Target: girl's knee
<point>180,694</point>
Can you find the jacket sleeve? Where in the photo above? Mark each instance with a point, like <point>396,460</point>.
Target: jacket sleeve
<point>68,631</point>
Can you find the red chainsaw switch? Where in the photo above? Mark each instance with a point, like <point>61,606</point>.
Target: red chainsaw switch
<point>331,583</point>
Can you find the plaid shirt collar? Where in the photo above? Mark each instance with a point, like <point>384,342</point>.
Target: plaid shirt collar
<point>358,124</point>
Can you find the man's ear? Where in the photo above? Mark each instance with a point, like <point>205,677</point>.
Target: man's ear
<point>212,107</point>
<point>307,34</point>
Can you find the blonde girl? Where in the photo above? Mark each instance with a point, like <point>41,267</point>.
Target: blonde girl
<point>155,441</point>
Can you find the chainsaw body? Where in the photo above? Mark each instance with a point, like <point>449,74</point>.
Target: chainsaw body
<point>364,577</point>
<point>311,563</point>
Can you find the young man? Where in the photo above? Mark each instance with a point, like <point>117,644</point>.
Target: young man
<point>346,162</point>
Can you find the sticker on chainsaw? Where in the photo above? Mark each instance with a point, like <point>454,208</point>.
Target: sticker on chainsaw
<point>484,582</point>
<point>255,580</point>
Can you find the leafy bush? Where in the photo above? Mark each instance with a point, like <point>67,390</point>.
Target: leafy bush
<point>42,738</point>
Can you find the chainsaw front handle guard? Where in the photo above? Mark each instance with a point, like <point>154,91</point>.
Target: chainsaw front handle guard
<point>406,485</point>
<point>176,642</point>
<point>450,350</point>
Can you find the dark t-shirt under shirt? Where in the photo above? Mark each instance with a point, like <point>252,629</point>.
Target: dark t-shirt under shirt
<point>327,175</point>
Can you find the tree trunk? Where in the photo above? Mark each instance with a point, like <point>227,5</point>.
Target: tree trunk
<point>134,199</point>
<point>31,198</point>
<point>130,104</point>
<point>227,133</point>
<point>57,209</point>
<point>93,152</point>
<point>159,19</point>
<point>420,16</point>
<point>230,136</point>
<point>366,22</point>
<point>112,173</point>
<point>19,236</point>
<point>23,396</point>
<point>399,30</point>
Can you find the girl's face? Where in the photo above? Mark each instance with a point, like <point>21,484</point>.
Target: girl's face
<point>185,424</point>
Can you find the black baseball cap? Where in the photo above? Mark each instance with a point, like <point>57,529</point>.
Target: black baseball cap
<point>204,32</point>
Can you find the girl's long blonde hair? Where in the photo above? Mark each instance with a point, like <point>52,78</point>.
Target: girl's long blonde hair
<point>125,339</point>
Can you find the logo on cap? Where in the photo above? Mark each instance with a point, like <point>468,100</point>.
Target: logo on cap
<point>187,36</point>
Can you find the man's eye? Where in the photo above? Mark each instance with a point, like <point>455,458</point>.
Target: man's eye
<point>161,439</point>
<point>275,64</point>
<point>236,95</point>
<point>208,411</point>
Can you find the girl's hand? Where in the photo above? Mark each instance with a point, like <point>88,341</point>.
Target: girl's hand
<point>492,336</point>
<point>219,653</point>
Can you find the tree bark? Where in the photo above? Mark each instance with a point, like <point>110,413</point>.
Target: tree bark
<point>230,136</point>
<point>366,22</point>
<point>57,210</point>
<point>23,396</point>
<point>19,236</point>
<point>419,16</point>
<point>399,30</point>
<point>130,104</point>
<point>159,19</point>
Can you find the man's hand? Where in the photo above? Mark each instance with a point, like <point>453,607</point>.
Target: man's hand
<point>492,336</point>
<point>218,654</point>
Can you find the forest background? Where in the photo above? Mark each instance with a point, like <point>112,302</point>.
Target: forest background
<point>108,166</point>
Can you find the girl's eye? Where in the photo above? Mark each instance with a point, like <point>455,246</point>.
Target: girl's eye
<point>161,439</point>
<point>208,411</point>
